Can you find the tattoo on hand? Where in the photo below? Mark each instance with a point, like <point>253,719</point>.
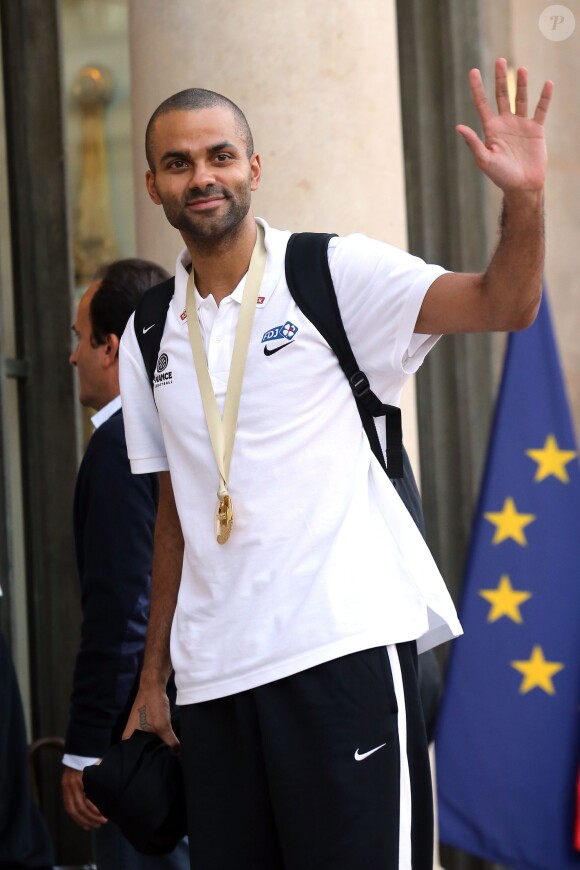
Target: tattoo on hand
<point>144,725</point>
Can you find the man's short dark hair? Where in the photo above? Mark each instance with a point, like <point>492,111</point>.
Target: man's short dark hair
<point>123,282</point>
<point>192,100</point>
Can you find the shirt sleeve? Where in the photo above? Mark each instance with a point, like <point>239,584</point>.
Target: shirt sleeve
<point>380,290</point>
<point>143,432</point>
<point>78,762</point>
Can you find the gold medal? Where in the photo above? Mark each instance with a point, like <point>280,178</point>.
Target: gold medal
<point>224,519</point>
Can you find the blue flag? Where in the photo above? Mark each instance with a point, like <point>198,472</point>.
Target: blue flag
<point>508,735</point>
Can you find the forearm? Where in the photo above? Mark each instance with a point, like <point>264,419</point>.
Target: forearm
<point>151,707</point>
<point>507,295</point>
<point>512,283</point>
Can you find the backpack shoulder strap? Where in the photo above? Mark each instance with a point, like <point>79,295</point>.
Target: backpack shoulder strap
<point>150,317</point>
<point>310,283</point>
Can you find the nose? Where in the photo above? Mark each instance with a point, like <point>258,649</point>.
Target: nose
<point>73,357</point>
<point>202,175</point>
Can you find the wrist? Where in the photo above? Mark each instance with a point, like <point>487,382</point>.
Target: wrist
<point>154,677</point>
<point>525,199</point>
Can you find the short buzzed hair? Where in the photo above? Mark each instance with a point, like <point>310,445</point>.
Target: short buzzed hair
<point>192,100</point>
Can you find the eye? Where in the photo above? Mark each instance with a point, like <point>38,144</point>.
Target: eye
<point>223,157</point>
<point>177,164</point>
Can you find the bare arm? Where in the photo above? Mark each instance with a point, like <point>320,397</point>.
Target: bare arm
<point>150,711</point>
<point>513,155</point>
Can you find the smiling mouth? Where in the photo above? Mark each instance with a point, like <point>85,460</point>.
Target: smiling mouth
<point>203,204</point>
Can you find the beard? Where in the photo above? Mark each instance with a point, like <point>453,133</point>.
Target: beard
<point>209,230</point>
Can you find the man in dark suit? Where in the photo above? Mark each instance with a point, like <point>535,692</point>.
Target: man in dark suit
<point>114,516</point>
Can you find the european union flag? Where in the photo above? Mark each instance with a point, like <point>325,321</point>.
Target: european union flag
<point>508,736</point>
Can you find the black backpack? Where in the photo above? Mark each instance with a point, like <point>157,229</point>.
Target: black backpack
<point>310,284</point>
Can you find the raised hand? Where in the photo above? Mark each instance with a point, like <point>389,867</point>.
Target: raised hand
<point>513,151</point>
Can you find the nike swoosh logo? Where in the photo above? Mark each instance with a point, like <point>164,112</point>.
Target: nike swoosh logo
<point>269,352</point>
<point>360,756</point>
<point>147,328</point>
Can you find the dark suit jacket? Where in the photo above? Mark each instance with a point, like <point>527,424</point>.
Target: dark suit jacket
<point>114,516</point>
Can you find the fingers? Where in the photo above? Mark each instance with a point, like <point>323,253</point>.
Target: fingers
<point>544,103</point>
<point>129,729</point>
<point>79,807</point>
<point>169,736</point>
<point>522,93</point>
<point>479,96</point>
<point>94,812</point>
<point>85,814</point>
<point>522,98</point>
<point>502,96</point>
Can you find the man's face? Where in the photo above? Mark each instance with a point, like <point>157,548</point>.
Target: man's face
<point>203,177</point>
<point>88,360</point>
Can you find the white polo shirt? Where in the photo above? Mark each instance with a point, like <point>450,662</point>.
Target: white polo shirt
<point>324,559</point>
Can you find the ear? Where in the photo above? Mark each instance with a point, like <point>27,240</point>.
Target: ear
<point>151,189</point>
<point>256,170</point>
<point>111,348</point>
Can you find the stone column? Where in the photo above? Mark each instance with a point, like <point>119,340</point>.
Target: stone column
<point>319,84</point>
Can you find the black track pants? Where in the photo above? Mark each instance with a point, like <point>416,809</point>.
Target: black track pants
<point>316,771</point>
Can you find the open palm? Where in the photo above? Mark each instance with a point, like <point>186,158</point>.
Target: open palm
<point>513,151</point>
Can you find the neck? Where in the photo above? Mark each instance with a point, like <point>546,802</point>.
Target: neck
<point>109,392</point>
<point>219,268</point>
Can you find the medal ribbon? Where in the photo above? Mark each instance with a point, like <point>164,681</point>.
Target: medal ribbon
<point>222,432</point>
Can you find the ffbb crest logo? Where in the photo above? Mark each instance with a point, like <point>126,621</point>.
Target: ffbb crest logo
<point>162,376</point>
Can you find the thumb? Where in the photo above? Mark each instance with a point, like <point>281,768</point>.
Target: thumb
<point>475,144</point>
<point>169,736</point>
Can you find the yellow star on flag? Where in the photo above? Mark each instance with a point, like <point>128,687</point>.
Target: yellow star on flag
<point>537,672</point>
<point>551,460</point>
<point>509,523</point>
<point>505,600</point>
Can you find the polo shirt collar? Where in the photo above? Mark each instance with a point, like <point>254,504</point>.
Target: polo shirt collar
<point>271,273</point>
